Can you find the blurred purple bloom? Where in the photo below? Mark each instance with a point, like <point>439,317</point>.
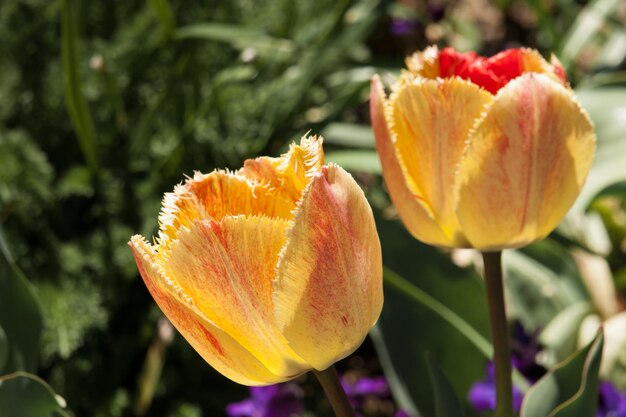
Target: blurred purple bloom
<point>365,386</point>
<point>482,395</point>
<point>436,10</point>
<point>400,27</point>
<point>612,403</point>
<point>280,400</point>
<point>401,413</point>
<point>524,349</point>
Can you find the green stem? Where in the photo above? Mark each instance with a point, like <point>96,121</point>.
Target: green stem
<point>499,333</point>
<point>334,392</point>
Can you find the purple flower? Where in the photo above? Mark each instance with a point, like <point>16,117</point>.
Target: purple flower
<point>280,400</point>
<point>400,27</point>
<point>524,350</point>
<point>482,395</point>
<point>365,386</point>
<point>612,403</point>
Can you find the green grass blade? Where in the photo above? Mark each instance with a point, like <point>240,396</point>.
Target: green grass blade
<point>75,100</point>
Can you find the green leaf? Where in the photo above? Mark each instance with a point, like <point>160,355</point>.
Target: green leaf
<point>560,336</point>
<point>4,349</point>
<point>541,281</point>
<point>348,134</point>
<point>570,389</point>
<point>408,328</point>
<point>240,37</point>
<point>606,107</point>
<point>397,382</point>
<point>74,98</point>
<point>164,13</point>
<point>447,403</point>
<point>589,21</point>
<point>440,309</point>
<point>357,161</point>
<point>24,394</point>
<point>20,314</point>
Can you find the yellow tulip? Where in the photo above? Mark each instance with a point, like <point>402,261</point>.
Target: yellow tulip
<point>488,153</point>
<point>268,271</point>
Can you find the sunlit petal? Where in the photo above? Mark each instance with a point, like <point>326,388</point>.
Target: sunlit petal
<point>526,162</point>
<point>328,288</point>
<point>431,120</point>
<point>227,267</point>
<point>220,350</point>
<point>416,215</point>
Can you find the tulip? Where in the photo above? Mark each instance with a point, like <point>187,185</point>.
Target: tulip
<point>485,153</point>
<point>268,271</point>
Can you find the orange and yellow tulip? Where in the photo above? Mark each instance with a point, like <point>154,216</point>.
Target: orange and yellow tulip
<point>488,153</point>
<point>268,271</point>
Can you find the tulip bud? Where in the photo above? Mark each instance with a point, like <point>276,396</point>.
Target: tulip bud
<point>268,271</point>
<point>485,153</point>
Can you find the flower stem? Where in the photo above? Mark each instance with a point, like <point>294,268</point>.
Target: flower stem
<point>499,333</point>
<point>334,392</point>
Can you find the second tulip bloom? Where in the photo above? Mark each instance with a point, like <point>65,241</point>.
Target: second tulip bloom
<point>488,153</point>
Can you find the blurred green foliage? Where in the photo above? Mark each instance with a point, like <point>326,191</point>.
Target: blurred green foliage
<point>106,105</point>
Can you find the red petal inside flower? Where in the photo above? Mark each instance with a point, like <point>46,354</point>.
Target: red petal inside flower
<point>490,73</point>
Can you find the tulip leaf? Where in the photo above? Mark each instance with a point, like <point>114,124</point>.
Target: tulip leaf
<point>348,134</point>
<point>589,21</point>
<point>408,328</point>
<point>20,314</point>
<point>240,37</point>
<point>606,107</point>
<point>74,97</point>
<point>4,349</point>
<point>447,403</point>
<point>541,280</point>
<point>24,394</point>
<point>560,336</point>
<point>356,161</point>
<point>570,389</point>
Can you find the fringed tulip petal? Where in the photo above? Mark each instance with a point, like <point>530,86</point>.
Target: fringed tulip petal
<point>424,64</point>
<point>534,62</point>
<point>290,173</point>
<point>416,216</point>
<point>227,268</point>
<point>328,287</point>
<point>214,268</point>
<point>431,120</point>
<point>525,164</point>
<point>219,194</point>
<point>220,350</point>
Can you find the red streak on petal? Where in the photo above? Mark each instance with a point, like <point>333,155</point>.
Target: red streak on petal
<point>212,340</point>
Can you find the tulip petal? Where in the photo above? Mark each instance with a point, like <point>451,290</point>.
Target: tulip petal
<point>431,120</point>
<point>288,174</point>
<point>215,195</point>
<point>525,163</point>
<point>220,350</point>
<point>328,287</point>
<point>534,62</point>
<point>415,215</point>
<point>227,268</point>
<point>424,63</point>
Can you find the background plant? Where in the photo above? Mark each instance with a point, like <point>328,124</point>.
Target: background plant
<point>105,105</point>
